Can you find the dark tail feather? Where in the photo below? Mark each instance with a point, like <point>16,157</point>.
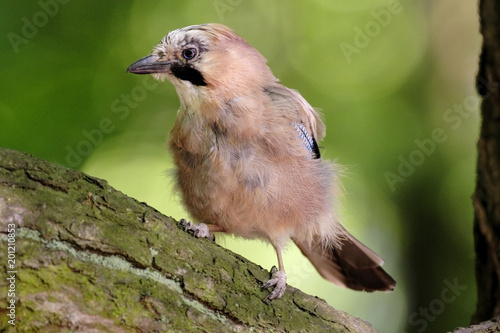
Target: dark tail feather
<point>353,265</point>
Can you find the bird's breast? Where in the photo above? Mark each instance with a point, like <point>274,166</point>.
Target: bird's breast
<point>216,173</point>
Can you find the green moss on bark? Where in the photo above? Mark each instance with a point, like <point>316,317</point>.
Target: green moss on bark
<point>91,258</point>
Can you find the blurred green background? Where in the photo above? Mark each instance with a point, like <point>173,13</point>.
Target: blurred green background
<point>394,80</point>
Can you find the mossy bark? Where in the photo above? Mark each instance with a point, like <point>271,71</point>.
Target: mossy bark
<point>90,259</point>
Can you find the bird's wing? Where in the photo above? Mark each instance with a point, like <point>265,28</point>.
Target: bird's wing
<point>301,116</point>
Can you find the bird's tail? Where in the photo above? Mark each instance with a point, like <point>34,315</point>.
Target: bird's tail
<point>350,264</point>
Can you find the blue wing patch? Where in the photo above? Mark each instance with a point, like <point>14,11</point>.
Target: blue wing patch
<point>307,140</point>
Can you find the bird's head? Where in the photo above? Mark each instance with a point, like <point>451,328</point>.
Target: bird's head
<point>207,61</point>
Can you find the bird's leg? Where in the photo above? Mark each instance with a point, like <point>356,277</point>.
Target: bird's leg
<point>202,230</point>
<point>278,279</point>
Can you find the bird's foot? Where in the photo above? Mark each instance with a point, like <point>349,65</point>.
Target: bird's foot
<point>278,280</point>
<point>199,230</point>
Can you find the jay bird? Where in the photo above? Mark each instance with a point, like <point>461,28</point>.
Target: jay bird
<point>247,159</point>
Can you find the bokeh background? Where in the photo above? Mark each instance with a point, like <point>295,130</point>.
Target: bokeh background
<point>394,80</point>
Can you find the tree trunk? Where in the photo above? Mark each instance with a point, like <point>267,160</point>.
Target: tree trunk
<point>81,256</point>
<point>487,194</point>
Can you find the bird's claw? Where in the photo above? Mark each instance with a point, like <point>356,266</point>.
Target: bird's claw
<point>199,230</point>
<point>278,280</point>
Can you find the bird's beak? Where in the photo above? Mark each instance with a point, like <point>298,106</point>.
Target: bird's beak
<point>149,65</point>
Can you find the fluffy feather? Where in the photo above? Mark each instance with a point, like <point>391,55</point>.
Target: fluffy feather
<point>246,156</point>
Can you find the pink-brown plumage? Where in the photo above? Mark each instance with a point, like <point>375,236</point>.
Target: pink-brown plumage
<point>246,155</point>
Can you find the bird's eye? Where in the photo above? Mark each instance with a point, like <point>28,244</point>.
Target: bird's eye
<point>189,53</point>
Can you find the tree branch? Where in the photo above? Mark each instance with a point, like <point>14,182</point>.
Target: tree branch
<point>89,258</point>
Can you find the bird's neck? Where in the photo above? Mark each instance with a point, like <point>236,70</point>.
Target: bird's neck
<point>190,97</point>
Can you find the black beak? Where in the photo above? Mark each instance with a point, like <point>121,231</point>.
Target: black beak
<point>149,65</point>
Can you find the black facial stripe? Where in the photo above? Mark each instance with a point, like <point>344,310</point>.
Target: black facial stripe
<point>187,73</point>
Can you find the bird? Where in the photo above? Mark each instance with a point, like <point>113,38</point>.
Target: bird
<point>247,160</point>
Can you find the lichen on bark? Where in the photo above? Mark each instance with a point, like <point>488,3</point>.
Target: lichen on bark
<point>91,259</point>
